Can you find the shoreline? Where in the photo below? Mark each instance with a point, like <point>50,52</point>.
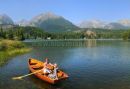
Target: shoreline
<point>37,40</point>
<point>6,55</point>
<point>10,48</point>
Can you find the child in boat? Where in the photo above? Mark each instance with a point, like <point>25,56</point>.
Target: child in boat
<point>54,74</point>
<point>45,69</point>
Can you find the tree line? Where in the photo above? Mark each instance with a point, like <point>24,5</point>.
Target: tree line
<point>22,33</point>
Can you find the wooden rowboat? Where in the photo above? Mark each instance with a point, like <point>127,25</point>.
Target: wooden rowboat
<point>35,65</point>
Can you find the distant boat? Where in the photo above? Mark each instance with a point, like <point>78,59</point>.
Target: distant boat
<point>35,65</point>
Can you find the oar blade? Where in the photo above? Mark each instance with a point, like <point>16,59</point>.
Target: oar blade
<point>14,78</point>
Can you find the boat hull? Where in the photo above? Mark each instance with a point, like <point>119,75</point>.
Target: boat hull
<point>38,65</point>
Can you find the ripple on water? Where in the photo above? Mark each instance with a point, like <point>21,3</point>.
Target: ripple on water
<point>104,66</point>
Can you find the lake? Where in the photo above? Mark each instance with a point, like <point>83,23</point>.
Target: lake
<point>90,64</point>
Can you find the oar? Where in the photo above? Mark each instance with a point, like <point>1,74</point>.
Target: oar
<point>20,77</point>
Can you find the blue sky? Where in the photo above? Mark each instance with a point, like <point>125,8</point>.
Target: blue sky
<point>73,10</point>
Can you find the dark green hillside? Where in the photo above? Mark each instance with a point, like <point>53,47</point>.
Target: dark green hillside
<point>57,25</point>
<point>52,23</point>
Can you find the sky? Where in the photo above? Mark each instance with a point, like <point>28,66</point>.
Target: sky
<point>73,10</point>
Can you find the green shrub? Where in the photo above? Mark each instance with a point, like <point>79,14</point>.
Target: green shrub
<point>9,44</point>
<point>10,48</point>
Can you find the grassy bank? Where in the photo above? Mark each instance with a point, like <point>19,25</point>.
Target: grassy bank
<point>9,48</point>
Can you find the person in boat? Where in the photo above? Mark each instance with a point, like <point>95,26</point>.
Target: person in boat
<point>53,75</point>
<point>46,70</point>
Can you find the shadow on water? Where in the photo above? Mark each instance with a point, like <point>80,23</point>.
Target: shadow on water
<point>44,85</point>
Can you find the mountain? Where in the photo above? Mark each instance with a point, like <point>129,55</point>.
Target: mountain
<point>125,22</point>
<point>115,25</point>
<point>52,23</point>
<point>121,24</point>
<point>4,19</point>
<point>23,22</point>
<point>92,24</point>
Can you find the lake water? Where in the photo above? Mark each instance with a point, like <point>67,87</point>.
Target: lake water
<point>89,64</point>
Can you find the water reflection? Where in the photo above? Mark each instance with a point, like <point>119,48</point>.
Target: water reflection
<point>43,85</point>
<point>63,43</point>
<point>91,64</point>
<point>90,43</point>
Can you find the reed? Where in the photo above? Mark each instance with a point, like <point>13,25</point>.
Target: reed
<point>9,48</point>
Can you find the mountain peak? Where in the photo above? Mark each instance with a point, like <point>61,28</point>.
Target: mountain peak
<point>51,15</point>
<point>125,22</point>
<point>5,19</point>
<point>51,22</point>
<point>92,24</point>
<point>121,24</point>
<point>23,22</point>
<point>45,16</point>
